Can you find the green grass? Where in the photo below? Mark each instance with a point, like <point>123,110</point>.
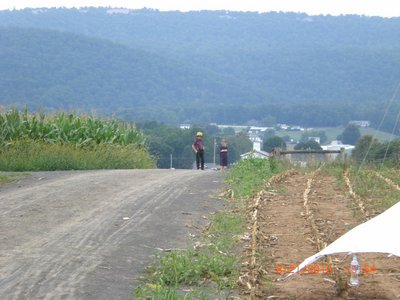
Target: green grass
<point>29,155</point>
<point>225,226</point>
<point>376,193</point>
<point>6,178</point>
<point>211,271</point>
<point>160,292</point>
<point>379,135</point>
<point>336,169</point>
<point>391,173</point>
<point>190,267</point>
<point>248,176</point>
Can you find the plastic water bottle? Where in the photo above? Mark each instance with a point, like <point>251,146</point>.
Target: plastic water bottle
<point>354,271</point>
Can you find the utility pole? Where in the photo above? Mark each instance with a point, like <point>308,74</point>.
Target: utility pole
<point>170,164</point>
<point>215,145</point>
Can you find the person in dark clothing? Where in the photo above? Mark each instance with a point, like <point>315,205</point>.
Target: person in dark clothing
<point>223,154</point>
<point>198,148</point>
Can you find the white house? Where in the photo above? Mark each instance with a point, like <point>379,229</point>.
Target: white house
<point>256,152</point>
<point>338,145</point>
<point>185,126</point>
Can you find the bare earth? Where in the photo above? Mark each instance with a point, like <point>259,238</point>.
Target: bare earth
<point>89,235</point>
<point>286,237</point>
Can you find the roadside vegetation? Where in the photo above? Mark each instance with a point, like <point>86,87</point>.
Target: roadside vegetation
<point>248,177</point>
<point>40,142</point>
<point>374,173</point>
<point>211,266</point>
<point>6,178</point>
<point>376,186</point>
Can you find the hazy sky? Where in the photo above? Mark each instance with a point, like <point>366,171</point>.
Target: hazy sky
<point>385,8</point>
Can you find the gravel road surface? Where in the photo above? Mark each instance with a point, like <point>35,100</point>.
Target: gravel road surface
<point>90,234</point>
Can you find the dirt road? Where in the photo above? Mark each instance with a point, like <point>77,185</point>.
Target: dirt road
<point>89,235</point>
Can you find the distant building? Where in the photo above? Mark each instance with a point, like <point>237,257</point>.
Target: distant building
<point>360,123</point>
<point>256,130</point>
<point>257,141</point>
<point>185,126</point>
<point>256,152</point>
<point>283,126</point>
<point>338,145</point>
<point>296,128</point>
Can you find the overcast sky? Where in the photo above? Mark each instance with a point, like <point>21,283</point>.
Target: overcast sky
<point>385,8</point>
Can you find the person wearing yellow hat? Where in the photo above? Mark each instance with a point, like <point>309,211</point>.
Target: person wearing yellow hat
<point>198,148</point>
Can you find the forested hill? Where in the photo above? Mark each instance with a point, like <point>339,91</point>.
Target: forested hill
<point>292,68</point>
<point>55,71</point>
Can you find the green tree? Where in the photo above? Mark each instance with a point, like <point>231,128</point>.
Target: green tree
<point>274,142</point>
<point>351,134</point>
<point>238,145</point>
<point>211,130</point>
<point>365,149</point>
<point>166,141</point>
<point>230,131</point>
<point>309,145</point>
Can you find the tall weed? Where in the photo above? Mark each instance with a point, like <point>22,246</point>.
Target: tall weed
<point>248,176</point>
<point>29,155</point>
<point>377,194</point>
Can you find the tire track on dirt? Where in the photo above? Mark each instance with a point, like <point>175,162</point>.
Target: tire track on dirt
<point>54,265</point>
<point>49,264</point>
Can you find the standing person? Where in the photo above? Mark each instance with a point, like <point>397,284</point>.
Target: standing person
<point>198,148</point>
<point>223,154</point>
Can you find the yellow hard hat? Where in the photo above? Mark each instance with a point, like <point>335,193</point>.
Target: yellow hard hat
<point>199,133</point>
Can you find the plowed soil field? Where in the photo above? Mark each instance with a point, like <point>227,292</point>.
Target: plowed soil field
<point>295,216</point>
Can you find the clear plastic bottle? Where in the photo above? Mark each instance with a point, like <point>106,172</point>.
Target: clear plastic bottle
<point>354,271</point>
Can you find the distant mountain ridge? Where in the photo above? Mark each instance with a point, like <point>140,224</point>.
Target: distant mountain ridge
<point>53,70</point>
<point>230,66</point>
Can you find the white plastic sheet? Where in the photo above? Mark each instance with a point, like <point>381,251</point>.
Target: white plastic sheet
<point>378,235</point>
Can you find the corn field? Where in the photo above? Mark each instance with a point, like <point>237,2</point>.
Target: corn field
<point>39,142</point>
<point>66,128</point>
